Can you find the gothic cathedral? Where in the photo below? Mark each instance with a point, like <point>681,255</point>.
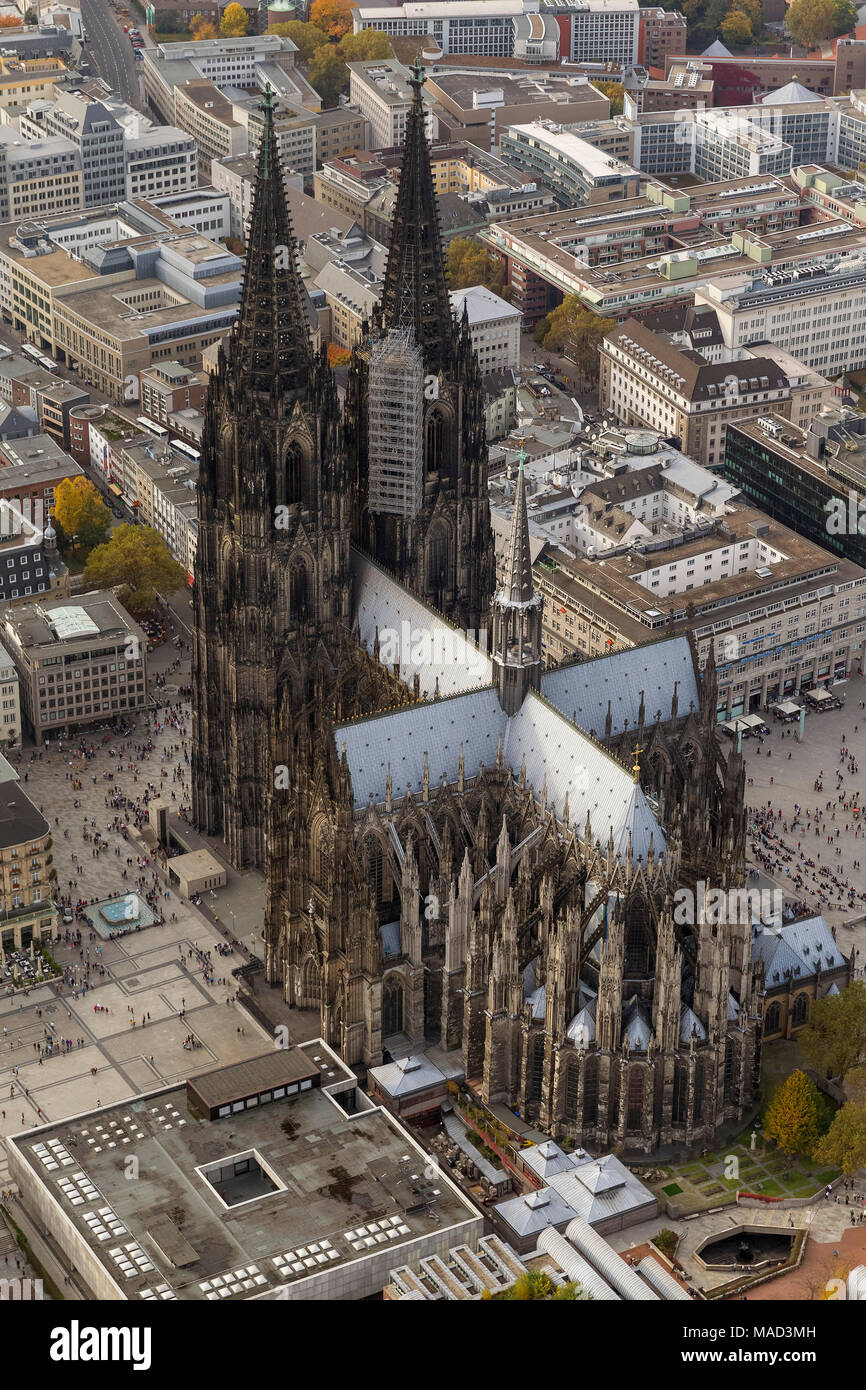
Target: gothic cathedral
<point>461,847</point>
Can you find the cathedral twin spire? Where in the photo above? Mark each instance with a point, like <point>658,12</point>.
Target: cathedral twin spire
<point>415,292</point>
<point>271,353</point>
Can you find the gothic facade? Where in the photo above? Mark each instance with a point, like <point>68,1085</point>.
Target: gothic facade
<point>460,847</point>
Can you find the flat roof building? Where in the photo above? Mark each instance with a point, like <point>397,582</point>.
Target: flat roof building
<point>313,1200</point>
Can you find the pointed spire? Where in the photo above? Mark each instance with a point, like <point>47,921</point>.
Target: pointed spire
<point>415,290</point>
<point>517,586</point>
<point>271,353</point>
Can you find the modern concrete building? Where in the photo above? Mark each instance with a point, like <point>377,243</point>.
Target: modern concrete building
<point>381,93</point>
<point>574,170</point>
<point>494,327</point>
<point>90,126</point>
<point>80,662</point>
<point>10,700</point>
<point>465,27</point>
<point>324,1193</point>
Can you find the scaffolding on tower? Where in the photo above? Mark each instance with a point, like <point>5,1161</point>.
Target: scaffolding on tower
<point>396,424</point>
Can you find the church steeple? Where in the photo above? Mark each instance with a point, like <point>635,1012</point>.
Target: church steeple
<point>517,611</point>
<point>415,290</point>
<point>271,353</point>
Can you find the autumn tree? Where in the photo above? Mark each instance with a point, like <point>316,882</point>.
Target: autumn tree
<point>577,332</point>
<point>736,29</point>
<point>333,16</point>
<point>83,516</point>
<point>327,73</point>
<point>844,1144</point>
<point>368,44</point>
<point>468,262</point>
<point>793,1118</point>
<point>834,1039</point>
<point>306,37</point>
<point>137,558</point>
<point>201,28</point>
<point>615,93</point>
<point>810,21</point>
<point>234,22</point>
<point>9,21</point>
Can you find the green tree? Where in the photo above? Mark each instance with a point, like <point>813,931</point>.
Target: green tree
<point>793,1118</point>
<point>334,16</point>
<point>468,262</point>
<point>615,93</point>
<point>328,73</point>
<point>576,331</point>
<point>736,29</point>
<point>810,21</point>
<point>844,1144</point>
<point>306,37</point>
<point>368,44</point>
<point>834,1039</point>
<point>234,22</point>
<point>844,17</point>
<point>137,558</point>
<point>83,516</point>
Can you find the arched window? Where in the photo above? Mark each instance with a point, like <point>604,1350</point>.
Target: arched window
<point>375,868</point>
<point>437,563</point>
<point>294,474</point>
<point>730,1070</point>
<point>698,1102</point>
<point>634,1117</point>
<point>801,1010</point>
<point>311,984</point>
<point>590,1091</point>
<point>637,949</point>
<point>613,1096</point>
<point>392,1006</point>
<point>436,442</point>
<point>772,1019</point>
<point>537,1068</point>
<point>299,593</point>
<point>572,1083</point>
<point>680,1093</point>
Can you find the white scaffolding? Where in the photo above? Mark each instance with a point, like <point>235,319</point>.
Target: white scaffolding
<point>395,439</point>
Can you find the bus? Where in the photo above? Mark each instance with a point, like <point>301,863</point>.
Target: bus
<point>186,449</point>
<point>47,363</point>
<point>28,350</point>
<point>159,430</point>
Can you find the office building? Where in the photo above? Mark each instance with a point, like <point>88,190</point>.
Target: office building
<point>380,90</point>
<point>574,171</point>
<point>494,328</point>
<point>81,661</point>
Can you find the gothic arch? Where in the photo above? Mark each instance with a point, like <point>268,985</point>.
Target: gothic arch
<point>393,1002</point>
<point>438,430</point>
<point>800,1011</point>
<point>772,1019</point>
<point>299,473</point>
<point>310,984</point>
<point>320,855</point>
<point>300,590</point>
<point>437,556</point>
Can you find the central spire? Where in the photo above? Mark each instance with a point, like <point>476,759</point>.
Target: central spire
<point>415,290</point>
<point>517,611</point>
<point>517,585</point>
<point>271,353</point>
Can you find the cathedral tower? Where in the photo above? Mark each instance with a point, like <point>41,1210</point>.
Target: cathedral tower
<point>415,414</point>
<point>272,566</point>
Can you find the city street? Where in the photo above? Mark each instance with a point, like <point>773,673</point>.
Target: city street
<point>111,52</point>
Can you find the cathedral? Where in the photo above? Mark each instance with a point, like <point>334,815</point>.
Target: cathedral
<point>462,848</point>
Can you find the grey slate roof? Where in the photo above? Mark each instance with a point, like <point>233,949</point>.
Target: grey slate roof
<point>557,755</point>
<point>800,947</point>
<point>428,645</point>
<point>582,691</point>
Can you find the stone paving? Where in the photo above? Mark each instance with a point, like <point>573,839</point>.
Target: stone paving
<point>793,782</point>
<point>149,976</point>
